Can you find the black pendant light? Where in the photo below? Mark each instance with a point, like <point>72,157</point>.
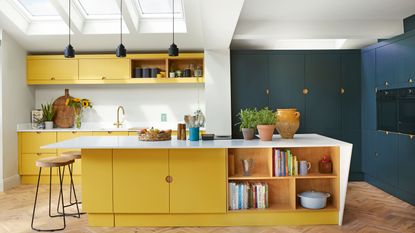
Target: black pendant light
<point>69,52</point>
<point>121,51</point>
<point>173,50</point>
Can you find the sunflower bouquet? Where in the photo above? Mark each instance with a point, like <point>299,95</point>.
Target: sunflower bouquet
<point>78,104</point>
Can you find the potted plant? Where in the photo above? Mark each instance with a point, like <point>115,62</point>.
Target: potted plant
<point>265,121</point>
<point>48,115</point>
<point>247,122</point>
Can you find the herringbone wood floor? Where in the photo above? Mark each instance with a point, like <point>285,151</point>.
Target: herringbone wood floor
<point>368,209</point>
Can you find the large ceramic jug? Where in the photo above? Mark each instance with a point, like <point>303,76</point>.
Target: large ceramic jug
<point>288,122</point>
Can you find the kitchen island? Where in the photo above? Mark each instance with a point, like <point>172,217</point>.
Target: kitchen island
<point>127,182</point>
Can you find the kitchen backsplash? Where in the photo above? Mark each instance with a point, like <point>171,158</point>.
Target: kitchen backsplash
<point>141,103</point>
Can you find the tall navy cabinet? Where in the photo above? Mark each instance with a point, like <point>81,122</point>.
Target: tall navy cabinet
<point>324,86</point>
<point>388,158</point>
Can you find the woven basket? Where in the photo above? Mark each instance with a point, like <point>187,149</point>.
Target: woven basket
<point>64,115</point>
<point>152,136</point>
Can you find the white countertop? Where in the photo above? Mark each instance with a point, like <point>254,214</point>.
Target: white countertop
<point>132,142</point>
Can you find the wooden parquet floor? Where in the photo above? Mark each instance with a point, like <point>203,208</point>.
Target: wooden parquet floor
<point>368,209</point>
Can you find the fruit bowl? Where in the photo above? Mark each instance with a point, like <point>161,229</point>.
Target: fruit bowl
<point>154,135</point>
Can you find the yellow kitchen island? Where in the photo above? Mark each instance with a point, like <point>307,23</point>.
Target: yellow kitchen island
<point>126,182</point>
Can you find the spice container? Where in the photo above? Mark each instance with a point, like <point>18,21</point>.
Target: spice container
<point>325,165</point>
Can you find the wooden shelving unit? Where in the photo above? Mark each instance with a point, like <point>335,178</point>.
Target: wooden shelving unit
<point>283,190</point>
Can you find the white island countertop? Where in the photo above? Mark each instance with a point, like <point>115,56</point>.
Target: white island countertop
<point>132,142</point>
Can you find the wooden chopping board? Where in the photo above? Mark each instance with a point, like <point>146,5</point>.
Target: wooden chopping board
<point>64,117</point>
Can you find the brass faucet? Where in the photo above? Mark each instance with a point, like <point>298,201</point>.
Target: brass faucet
<point>118,123</point>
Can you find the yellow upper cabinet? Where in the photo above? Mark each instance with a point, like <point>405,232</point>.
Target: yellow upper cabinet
<point>52,69</point>
<point>104,69</point>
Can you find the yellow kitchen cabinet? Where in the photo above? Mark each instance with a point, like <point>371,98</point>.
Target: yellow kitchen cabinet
<point>32,141</point>
<point>110,133</point>
<point>133,133</point>
<point>104,69</point>
<point>140,184</point>
<point>198,180</point>
<point>52,69</point>
<point>62,136</point>
<point>29,164</point>
<point>97,178</point>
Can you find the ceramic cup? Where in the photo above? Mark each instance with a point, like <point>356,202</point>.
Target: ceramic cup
<point>304,166</point>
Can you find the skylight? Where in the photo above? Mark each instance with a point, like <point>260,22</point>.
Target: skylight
<point>38,8</point>
<point>160,8</point>
<point>100,7</point>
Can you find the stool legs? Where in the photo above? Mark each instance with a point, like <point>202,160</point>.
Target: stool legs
<point>71,189</point>
<point>50,194</point>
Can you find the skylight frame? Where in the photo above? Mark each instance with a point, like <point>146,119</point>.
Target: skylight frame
<point>162,16</point>
<point>87,16</point>
<point>31,18</point>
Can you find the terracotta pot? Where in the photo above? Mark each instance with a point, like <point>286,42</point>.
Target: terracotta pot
<point>288,122</point>
<point>248,133</point>
<point>266,132</point>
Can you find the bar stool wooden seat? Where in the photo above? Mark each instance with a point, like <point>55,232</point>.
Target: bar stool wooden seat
<point>71,155</point>
<point>52,162</point>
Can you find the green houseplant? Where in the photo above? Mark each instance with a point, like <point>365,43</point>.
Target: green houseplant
<point>265,121</point>
<point>247,122</point>
<point>48,115</point>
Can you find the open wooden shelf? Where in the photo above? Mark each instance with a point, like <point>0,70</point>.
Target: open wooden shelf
<point>247,178</point>
<point>329,207</point>
<point>317,175</point>
<point>283,207</point>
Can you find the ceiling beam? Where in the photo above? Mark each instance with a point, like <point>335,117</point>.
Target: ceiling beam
<point>130,15</point>
<point>77,19</point>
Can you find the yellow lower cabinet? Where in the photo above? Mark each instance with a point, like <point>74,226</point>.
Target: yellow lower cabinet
<point>140,184</point>
<point>97,181</point>
<point>110,133</point>
<point>62,136</point>
<point>28,166</point>
<point>199,180</point>
<point>32,141</point>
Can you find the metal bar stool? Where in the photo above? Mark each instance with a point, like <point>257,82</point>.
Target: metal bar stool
<point>50,163</point>
<point>71,155</point>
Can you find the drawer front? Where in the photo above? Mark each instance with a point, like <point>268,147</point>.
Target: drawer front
<point>110,133</point>
<point>31,142</point>
<point>104,69</point>
<point>29,164</point>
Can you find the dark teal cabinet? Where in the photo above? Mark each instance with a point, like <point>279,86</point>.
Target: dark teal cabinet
<point>386,65</point>
<point>369,157</point>
<point>249,83</point>
<point>406,61</point>
<point>386,151</point>
<point>323,104</point>
<point>406,164</point>
<point>351,91</point>
<point>368,90</point>
<point>286,83</point>
<point>354,137</point>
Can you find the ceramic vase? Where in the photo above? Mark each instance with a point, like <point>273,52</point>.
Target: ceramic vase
<point>288,122</point>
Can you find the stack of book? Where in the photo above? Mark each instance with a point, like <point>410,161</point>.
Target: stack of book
<point>244,195</point>
<point>285,164</point>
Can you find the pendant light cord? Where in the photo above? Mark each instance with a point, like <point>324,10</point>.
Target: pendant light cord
<point>121,22</point>
<point>173,20</point>
<point>69,7</point>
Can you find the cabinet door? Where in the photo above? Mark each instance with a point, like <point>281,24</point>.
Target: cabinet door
<point>406,73</point>
<point>28,166</point>
<point>369,158</point>
<point>368,90</point>
<point>249,84</point>
<point>140,184</point>
<point>57,69</point>
<point>32,141</point>
<point>199,181</point>
<point>110,133</point>
<point>286,83</point>
<point>386,149</point>
<point>62,136</point>
<point>104,69</point>
<point>386,65</point>
<point>406,163</point>
<point>354,137</point>
<point>323,105</point>
<point>351,90</point>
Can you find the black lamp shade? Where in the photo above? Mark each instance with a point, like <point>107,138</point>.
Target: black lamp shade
<point>121,51</point>
<point>69,52</point>
<point>173,50</point>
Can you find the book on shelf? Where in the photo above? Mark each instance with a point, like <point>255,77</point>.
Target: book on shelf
<point>245,195</point>
<point>284,163</point>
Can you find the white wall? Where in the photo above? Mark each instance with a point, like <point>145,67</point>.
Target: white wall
<point>218,91</point>
<point>17,100</point>
<point>142,103</point>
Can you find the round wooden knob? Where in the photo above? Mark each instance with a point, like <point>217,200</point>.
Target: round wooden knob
<point>410,80</point>
<point>342,91</point>
<point>386,83</point>
<point>109,132</point>
<point>53,78</point>
<point>38,154</point>
<point>305,91</point>
<point>103,78</point>
<point>169,179</point>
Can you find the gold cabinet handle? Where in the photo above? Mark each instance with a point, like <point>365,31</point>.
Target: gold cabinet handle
<point>410,80</point>
<point>53,78</point>
<point>376,154</point>
<point>342,91</point>
<point>305,91</point>
<point>37,132</point>
<point>38,154</point>
<point>411,137</point>
<point>386,83</point>
<point>74,132</point>
<point>103,78</point>
<point>169,179</point>
<point>267,91</point>
<point>109,132</point>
